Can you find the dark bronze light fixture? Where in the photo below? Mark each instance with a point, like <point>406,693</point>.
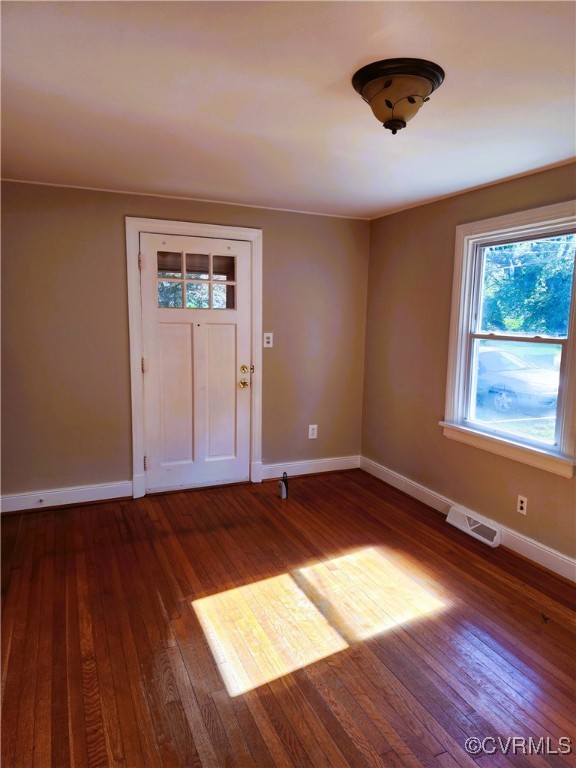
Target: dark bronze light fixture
<point>397,88</point>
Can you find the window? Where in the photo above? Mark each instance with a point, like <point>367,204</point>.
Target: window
<point>512,363</point>
<point>207,282</point>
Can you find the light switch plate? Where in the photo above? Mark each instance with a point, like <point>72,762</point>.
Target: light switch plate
<point>268,339</point>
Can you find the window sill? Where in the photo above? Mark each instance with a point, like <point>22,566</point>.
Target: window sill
<point>535,457</point>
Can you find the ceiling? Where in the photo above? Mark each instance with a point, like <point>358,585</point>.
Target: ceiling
<point>252,102</point>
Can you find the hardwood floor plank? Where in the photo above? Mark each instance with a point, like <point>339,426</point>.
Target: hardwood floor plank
<point>346,626</point>
<point>59,714</point>
<point>24,754</point>
<point>536,667</point>
<point>339,735</point>
<point>97,743</point>
<point>14,595</point>
<point>498,681</point>
<point>202,739</point>
<point>183,739</point>
<point>450,723</point>
<point>17,670</point>
<point>374,743</point>
<point>254,738</point>
<point>388,703</point>
<point>491,716</point>
<point>44,666</point>
<point>141,744</point>
<point>173,540</point>
<point>113,617</point>
<point>236,737</point>
<point>77,723</point>
<point>11,549</point>
<point>265,721</point>
<point>527,695</point>
<point>146,638</point>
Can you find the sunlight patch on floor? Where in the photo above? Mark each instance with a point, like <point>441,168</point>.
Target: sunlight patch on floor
<point>262,631</point>
<point>363,594</point>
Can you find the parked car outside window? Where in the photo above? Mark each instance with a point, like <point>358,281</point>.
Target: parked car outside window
<point>508,383</point>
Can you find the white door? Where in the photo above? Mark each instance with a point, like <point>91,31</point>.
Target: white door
<point>196,318</point>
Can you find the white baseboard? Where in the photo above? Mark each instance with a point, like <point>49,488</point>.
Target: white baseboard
<point>533,550</point>
<point>62,496</point>
<point>270,471</point>
<point>539,553</point>
<point>417,491</point>
<point>57,497</point>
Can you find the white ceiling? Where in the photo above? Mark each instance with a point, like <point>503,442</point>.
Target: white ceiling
<point>251,102</point>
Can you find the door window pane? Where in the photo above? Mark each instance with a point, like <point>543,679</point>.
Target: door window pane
<point>204,284</point>
<point>197,296</point>
<point>223,296</point>
<point>169,264</point>
<point>197,266</point>
<point>169,293</point>
<point>527,285</point>
<point>224,268</point>
<point>515,387</point>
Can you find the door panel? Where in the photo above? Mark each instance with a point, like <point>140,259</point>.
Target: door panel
<point>221,390</point>
<point>196,310</point>
<point>175,370</point>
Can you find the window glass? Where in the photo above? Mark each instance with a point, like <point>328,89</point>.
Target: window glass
<point>526,286</point>
<point>223,296</point>
<point>197,296</point>
<point>169,293</point>
<point>169,264</point>
<point>224,268</point>
<point>524,291</point>
<point>514,387</point>
<point>197,266</point>
<point>208,282</point>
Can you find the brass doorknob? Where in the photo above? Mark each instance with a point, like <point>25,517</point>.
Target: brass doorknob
<point>243,383</point>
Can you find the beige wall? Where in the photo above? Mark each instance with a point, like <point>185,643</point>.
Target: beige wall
<point>408,318</point>
<point>66,389</point>
<point>65,346</point>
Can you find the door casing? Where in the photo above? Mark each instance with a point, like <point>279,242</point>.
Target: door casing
<point>136,226</point>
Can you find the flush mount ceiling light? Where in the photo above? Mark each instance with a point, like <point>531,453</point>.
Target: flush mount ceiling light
<point>397,88</point>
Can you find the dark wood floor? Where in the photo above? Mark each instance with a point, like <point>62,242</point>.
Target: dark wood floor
<point>345,626</point>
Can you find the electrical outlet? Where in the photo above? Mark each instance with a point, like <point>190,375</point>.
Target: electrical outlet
<point>268,339</point>
<point>312,431</point>
<point>522,505</point>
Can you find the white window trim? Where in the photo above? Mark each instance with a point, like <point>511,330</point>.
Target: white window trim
<point>537,222</point>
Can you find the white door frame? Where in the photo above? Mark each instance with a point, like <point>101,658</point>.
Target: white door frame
<point>134,226</point>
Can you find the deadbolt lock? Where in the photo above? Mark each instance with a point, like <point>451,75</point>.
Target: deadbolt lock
<point>243,369</point>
